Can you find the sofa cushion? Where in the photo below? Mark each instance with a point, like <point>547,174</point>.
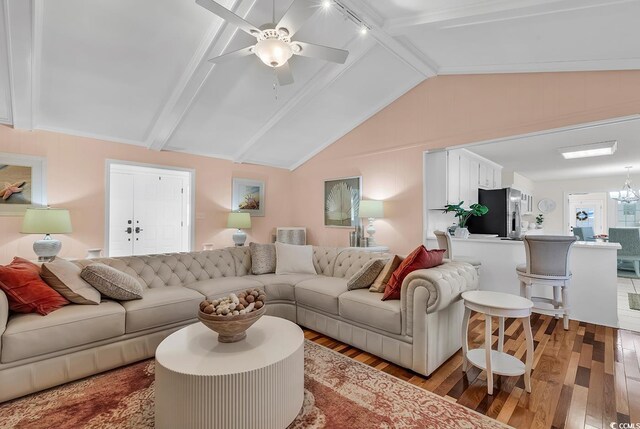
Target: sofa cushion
<point>364,277</point>
<point>420,258</point>
<point>111,282</point>
<point>26,291</point>
<point>281,286</point>
<point>364,307</point>
<point>161,306</point>
<point>29,335</point>
<point>321,293</point>
<point>215,288</point>
<point>64,277</point>
<point>294,259</point>
<point>263,258</point>
<point>380,283</point>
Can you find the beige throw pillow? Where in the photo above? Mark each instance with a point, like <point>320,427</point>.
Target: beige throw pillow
<point>64,277</point>
<point>111,282</point>
<point>366,275</point>
<point>263,258</point>
<point>380,283</point>
<point>294,259</point>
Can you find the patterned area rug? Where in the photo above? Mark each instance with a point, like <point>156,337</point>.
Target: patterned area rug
<point>339,393</point>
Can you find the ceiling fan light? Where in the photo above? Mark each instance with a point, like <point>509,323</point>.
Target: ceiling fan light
<point>273,52</point>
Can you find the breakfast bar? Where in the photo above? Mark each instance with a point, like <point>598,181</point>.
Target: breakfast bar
<point>593,265</point>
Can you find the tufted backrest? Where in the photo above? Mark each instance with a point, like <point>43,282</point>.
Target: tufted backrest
<point>349,261</point>
<point>175,269</point>
<point>324,259</point>
<point>242,259</point>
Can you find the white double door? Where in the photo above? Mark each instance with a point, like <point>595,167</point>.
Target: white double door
<point>148,211</point>
<point>588,210</point>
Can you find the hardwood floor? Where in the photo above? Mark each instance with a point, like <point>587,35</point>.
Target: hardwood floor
<point>586,377</point>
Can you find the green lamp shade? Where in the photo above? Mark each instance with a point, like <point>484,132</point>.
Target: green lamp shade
<point>371,209</point>
<point>239,220</point>
<point>46,221</point>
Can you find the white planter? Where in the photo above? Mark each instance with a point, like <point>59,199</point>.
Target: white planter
<point>461,233</point>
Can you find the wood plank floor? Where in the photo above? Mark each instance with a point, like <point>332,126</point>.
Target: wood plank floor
<point>586,377</point>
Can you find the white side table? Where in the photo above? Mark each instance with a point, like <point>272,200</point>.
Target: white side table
<point>256,383</point>
<point>500,305</point>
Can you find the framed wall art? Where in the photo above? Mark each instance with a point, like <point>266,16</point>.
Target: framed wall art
<point>22,183</point>
<point>248,196</point>
<point>342,201</point>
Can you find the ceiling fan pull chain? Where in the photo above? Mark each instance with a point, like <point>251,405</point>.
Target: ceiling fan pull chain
<point>275,84</point>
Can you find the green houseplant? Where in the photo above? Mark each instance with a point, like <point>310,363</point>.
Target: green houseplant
<point>539,221</point>
<point>463,215</point>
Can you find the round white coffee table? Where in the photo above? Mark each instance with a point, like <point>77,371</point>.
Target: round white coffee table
<point>255,383</point>
<point>500,305</point>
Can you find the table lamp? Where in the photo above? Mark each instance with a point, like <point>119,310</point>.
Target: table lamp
<point>46,221</point>
<point>241,221</point>
<point>372,210</point>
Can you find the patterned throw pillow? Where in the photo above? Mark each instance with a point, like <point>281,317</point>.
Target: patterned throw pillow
<point>64,277</point>
<point>420,258</point>
<point>380,283</point>
<point>263,258</point>
<point>366,275</point>
<point>111,282</point>
<point>26,291</point>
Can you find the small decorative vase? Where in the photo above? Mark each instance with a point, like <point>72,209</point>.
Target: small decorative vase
<point>461,232</point>
<point>538,226</point>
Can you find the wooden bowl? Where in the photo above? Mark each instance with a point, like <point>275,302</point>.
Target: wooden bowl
<point>231,328</point>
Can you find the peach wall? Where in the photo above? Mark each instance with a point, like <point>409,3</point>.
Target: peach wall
<point>76,180</point>
<point>446,111</point>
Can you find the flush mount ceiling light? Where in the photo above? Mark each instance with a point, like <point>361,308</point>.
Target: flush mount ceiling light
<point>589,150</point>
<point>274,46</point>
<point>627,194</point>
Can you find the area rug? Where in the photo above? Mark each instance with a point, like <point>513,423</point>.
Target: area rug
<point>634,301</point>
<point>339,393</point>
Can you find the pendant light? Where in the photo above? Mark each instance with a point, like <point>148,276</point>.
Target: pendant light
<point>627,194</point>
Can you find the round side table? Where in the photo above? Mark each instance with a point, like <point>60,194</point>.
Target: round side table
<point>500,305</point>
<point>256,383</point>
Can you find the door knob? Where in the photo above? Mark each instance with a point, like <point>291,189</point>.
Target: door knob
<point>128,230</point>
<point>138,229</point>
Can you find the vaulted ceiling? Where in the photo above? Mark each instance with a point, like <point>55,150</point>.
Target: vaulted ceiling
<point>137,72</point>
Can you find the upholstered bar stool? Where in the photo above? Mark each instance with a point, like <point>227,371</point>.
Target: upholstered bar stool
<point>547,265</point>
<point>444,242</point>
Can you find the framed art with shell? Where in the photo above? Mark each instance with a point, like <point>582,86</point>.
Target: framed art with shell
<point>342,201</point>
<point>22,183</point>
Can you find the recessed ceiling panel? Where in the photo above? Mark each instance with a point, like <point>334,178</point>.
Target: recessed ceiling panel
<point>107,67</point>
<point>523,40</point>
<point>368,86</point>
<point>5,87</point>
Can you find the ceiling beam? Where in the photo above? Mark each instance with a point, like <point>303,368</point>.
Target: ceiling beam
<point>488,11</point>
<point>198,70</point>
<point>402,50</point>
<point>23,19</point>
<point>322,79</point>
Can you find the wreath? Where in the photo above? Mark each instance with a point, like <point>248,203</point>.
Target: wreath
<point>582,215</point>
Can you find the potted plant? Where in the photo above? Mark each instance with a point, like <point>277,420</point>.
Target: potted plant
<point>539,221</point>
<point>463,216</point>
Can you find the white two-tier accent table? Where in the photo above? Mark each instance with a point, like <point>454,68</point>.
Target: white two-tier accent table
<point>500,305</point>
<point>255,383</point>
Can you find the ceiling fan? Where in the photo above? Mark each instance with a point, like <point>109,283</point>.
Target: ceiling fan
<point>274,46</point>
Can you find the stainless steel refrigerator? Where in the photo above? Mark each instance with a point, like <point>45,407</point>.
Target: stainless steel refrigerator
<point>503,218</point>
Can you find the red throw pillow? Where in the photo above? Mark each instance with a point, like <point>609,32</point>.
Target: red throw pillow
<point>421,258</point>
<point>26,291</point>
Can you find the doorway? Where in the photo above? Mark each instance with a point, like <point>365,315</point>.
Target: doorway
<point>587,210</point>
<point>149,209</point>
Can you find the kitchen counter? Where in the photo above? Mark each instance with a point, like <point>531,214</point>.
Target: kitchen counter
<point>593,294</point>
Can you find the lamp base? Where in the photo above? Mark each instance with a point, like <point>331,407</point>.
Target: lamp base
<point>239,237</point>
<point>371,230</point>
<point>47,248</point>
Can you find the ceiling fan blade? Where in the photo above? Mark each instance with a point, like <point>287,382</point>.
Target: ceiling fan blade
<point>229,16</point>
<point>323,52</point>
<point>244,52</point>
<point>297,15</point>
<point>284,74</point>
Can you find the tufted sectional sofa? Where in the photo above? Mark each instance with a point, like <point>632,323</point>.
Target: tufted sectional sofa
<point>419,331</point>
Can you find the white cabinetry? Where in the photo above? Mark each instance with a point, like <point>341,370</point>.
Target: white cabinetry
<point>468,172</point>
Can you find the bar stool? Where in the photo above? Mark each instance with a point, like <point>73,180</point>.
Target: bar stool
<point>547,265</point>
<point>444,242</point>
<point>500,305</point>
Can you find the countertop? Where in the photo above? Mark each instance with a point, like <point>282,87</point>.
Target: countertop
<point>581,244</point>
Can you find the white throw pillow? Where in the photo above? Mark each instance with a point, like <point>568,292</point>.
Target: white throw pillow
<point>294,259</point>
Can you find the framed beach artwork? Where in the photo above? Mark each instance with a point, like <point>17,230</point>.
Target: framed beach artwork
<point>22,183</point>
<point>342,201</point>
<point>248,196</point>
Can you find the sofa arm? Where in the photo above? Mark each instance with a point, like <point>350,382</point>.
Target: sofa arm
<point>434,289</point>
<point>4,314</point>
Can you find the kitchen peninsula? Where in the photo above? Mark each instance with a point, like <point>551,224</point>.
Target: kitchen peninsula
<point>593,294</point>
